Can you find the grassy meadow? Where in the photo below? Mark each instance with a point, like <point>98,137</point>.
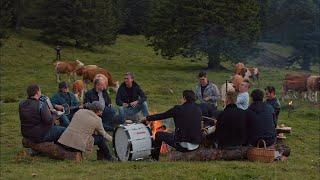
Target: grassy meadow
<point>25,60</point>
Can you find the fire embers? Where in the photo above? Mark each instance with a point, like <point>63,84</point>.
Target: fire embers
<point>157,126</point>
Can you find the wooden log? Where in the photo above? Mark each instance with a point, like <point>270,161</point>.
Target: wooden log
<point>207,154</point>
<point>52,150</point>
<point>283,130</point>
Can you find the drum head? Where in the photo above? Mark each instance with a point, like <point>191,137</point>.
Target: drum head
<point>121,144</point>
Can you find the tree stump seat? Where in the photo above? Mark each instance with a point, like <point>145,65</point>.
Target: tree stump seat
<point>52,150</point>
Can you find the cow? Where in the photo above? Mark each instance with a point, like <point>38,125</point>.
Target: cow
<point>239,67</point>
<point>79,71</point>
<point>67,67</point>
<point>295,86</point>
<point>89,74</point>
<point>313,86</point>
<point>78,88</point>
<point>236,81</point>
<point>296,77</point>
<point>226,87</point>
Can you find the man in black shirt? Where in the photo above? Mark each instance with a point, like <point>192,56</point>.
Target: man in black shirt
<point>131,98</point>
<point>187,120</point>
<point>272,100</point>
<point>231,128</point>
<point>261,120</point>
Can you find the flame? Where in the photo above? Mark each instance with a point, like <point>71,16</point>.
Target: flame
<point>156,126</point>
<point>290,103</point>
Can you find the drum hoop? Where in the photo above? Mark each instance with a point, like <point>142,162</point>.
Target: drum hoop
<point>130,143</point>
<point>114,143</point>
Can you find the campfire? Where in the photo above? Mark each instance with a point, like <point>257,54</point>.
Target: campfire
<point>158,126</point>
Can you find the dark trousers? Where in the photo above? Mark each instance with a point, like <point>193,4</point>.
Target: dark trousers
<point>103,148</point>
<point>108,118</point>
<point>169,139</point>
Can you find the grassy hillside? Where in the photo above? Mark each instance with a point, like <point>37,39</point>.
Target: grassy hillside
<point>25,61</point>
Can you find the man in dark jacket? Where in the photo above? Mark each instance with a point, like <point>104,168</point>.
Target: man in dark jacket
<point>272,100</point>
<point>65,98</point>
<point>261,120</point>
<point>99,93</point>
<point>37,123</point>
<point>131,98</point>
<point>187,119</point>
<point>231,128</point>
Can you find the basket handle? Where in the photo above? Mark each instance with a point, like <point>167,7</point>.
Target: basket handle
<point>264,143</point>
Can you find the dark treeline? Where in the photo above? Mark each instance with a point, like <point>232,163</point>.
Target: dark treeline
<point>214,29</point>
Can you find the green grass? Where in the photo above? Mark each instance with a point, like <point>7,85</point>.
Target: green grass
<point>31,63</point>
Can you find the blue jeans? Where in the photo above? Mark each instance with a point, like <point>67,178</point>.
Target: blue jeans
<point>108,117</point>
<point>129,111</point>
<point>53,134</point>
<point>64,120</point>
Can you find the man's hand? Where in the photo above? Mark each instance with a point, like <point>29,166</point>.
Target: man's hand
<point>207,98</point>
<point>145,121</point>
<point>58,107</point>
<point>134,104</point>
<point>81,107</point>
<point>125,105</point>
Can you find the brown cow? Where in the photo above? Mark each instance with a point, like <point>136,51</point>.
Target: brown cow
<point>294,85</point>
<point>296,77</point>
<point>79,72</point>
<point>236,81</point>
<point>313,86</point>
<point>78,88</point>
<point>67,67</point>
<point>239,67</point>
<point>89,74</point>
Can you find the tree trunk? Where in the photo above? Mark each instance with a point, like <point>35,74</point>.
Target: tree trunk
<point>214,61</point>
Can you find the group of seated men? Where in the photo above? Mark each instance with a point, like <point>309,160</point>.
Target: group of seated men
<point>86,124</point>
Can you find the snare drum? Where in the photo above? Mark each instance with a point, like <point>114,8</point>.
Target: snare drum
<point>132,142</point>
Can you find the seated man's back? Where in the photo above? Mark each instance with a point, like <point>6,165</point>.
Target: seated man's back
<point>231,128</point>
<point>34,125</point>
<point>261,122</point>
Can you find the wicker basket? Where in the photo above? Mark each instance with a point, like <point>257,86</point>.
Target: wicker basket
<point>261,154</point>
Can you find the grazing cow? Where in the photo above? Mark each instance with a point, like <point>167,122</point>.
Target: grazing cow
<point>294,85</point>
<point>250,73</point>
<point>67,67</point>
<point>78,88</point>
<point>89,74</point>
<point>297,77</point>
<point>236,81</point>
<point>226,87</point>
<point>239,67</point>
<point>313,86</point>
<point>79,71</point>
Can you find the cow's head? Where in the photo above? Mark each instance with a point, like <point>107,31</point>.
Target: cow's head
<point>79,64</point>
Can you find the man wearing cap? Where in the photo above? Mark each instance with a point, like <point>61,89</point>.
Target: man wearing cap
<point>100,94</point>
<point>131,98</point>
<point>86,130</point>
<point>65,99</point>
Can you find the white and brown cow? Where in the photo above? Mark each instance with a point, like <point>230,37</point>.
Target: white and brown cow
<point>66,67</point>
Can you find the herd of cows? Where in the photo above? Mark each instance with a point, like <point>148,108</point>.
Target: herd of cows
<point>306,85</point>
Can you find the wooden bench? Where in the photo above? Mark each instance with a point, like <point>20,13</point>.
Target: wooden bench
<point>52,150</point>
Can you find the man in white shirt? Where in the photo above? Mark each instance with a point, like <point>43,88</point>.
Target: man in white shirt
<point>243,96</point>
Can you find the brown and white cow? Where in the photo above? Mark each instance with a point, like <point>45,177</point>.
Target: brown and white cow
<point>236,81</point>
<point>66,67</point>
<point>89,75</point>
<point>238,68</point>
<point>313,86</point>
<point>78,88</point>
<point>295,83</point>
